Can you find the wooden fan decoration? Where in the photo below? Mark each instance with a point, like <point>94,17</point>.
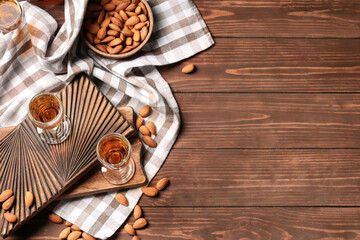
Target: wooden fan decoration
<point>29,164</point>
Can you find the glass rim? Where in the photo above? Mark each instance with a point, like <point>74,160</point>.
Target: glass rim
<point>114,165</point>
<point>17,19</point>
<point>52,122</point>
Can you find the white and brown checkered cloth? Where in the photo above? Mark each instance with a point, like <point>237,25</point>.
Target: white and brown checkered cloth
<point>35,58</point>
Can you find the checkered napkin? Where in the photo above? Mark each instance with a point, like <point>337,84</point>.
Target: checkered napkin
<point>36,57</point>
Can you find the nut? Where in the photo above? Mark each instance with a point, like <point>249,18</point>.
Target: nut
<point>162,184</point>
<point>132,21</point>
<point>75,228</point>
<point>67,223</point>
<point>5,195</point>
<point>139,122</point>
<point>65,233</point>
<point>74,235</point>
<point>144,130</point>
<point>150,191</point>
<point>188,68</point>
<point>149,141</point>
<point>129,229</point>
<point>87,236</point>
<point>122,199</point>
<point>137,212</point>
<point>10,217</point>
<point>55,218</point>
<point>135,238</point>
<point>143,33</point>
<point>140,223</point>
<point>145,111</point>
<point>152,128</point>
<point>8,203</point>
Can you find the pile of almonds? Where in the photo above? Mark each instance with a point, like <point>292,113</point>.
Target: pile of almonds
<point>116,26</point>
<point>71,232</point>
<point>148,129</point>
<point>7,198</point>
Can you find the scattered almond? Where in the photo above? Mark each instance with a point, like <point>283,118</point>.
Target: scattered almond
<point>149,141</point>
<point>122,199</point>
<point>145,111</point>
<point>5,195</point>
<point>29,198</point>
<point>55,218</point>
<point>75,228</point>
<point>129,229</point>
<point>140,223</point>
<point>137,212</point>
<point>152,128</point>
<point>74,235</point>
<point>87,236</point>
<point>10,217</point>
<point>162,184</point>
<point>65,233</point>
<point>67,223</point>
<point>150,191</point>
<point>8,203</point>
<point>139,122</point>
<point>188,68</point>
<point>144,130</point>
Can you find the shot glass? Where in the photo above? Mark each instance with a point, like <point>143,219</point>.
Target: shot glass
<point>114,154</point>
<point>10,15</point>
<point>47,113</point>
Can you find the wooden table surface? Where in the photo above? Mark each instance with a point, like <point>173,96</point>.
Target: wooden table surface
<point>270,140</point>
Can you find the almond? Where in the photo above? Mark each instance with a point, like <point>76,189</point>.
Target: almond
<point>87,236</point>
<point>105,23</point>
<point>135,44</point>
<point>162,184</point>
<point>94,28</point>
<point>132,21</point>
<point>139,25</point>
<point>142,17</point>
<point>122,37</point>
<point>149,141</point>
<point>5,195</point>
<point>117,15</point>
<point>109,6</point>
<point>135,238</point>
<point>139,122</point>
<point>127,32</point>
<point>10,217</point>
<point>143,8</point>
<point>90,37</point>
<point>115,42</point>
<point>188,68</point>
<point>131,14</point>
<point>114,50</point>
<point>128,41</point>
<point>136,36</point>
<point>137,212</point>
<point>122,199</point>
<point>101,34</point>
<point>152,128</point>
<point>129,229</point>
<point>114,27</point>
<point>143,33</point>
<point>121,6</point>
<point>130,8</point>
<point>145,111</point>
<point>101,48</point>
<point>101,17</point>
<point>123,15</point>
<point>140,223</point>
<point>108,39</point>
<point>75,228</point>
<point>113,33</point>
<point>136,2</point>
<point>150,191</point>
<point>55,218</point>
<point>138,10</point>
<point>8,203</point>
<point>29,198</point>
<point>65,233</point>
<point>96,40</point>
<point>74,235</point>
<point>103,2</point>
<point>117,22</point>
<point>67,223</point>
<point>144,130</point>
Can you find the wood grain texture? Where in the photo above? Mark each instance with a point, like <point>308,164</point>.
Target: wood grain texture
<point>271,120</point>
<point>271,65</point>
<point>278,18</point>
<point>259,177</point>
<point>226,223</point>
<point>94,182</point>
<point>29,164</point>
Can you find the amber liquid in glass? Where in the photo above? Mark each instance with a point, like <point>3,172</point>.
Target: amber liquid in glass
<point>113,150</point>
<point>10,15</point>
<point>45,108</point>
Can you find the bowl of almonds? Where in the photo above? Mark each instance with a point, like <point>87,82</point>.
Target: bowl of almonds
<point>117,28</point>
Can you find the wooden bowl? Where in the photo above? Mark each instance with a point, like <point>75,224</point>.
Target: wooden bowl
<point>133,51</point>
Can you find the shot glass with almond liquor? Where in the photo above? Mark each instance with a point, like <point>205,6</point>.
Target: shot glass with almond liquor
<point>114,154</point>
<point>10,15</point>
<point>47,114</point>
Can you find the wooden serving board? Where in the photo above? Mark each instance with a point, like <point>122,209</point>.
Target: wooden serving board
<point>94,182</point>
<point>29,164</point>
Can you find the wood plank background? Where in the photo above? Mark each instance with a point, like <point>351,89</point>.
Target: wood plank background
<point>269,145</point>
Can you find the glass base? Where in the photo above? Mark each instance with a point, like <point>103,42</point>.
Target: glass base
<point>119,176</point>
<point>56,135</point>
